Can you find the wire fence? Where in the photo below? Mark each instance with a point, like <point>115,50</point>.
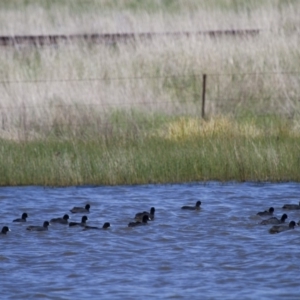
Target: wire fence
<point>199,75</point>
<point>98,102</point>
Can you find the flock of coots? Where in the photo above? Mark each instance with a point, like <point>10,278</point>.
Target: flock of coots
<point>141,218</point>
<point>279,225</point>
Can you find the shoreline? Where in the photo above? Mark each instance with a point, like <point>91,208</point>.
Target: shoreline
<point>217,150</point>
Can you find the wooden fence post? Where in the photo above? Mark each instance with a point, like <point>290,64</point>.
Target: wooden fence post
<point>203,96</point>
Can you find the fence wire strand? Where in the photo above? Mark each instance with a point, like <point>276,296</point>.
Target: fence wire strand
<point>196,75</point>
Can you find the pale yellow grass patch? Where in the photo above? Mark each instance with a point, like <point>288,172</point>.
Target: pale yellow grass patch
<point>217,126</point>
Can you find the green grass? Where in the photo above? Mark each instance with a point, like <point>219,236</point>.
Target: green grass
<point>149,156</point>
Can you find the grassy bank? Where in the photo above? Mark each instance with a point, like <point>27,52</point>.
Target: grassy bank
<point>128,113</point>
<point>180,150</point>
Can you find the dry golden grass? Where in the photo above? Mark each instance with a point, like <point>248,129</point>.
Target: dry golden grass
<point>190,128</point>
<point>84,16</point>
<point>155,76</point>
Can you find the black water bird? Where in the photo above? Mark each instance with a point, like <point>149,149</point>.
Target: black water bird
<point>274,220</point>
<point>39,228</point>
<point>85,209</point>
<point>266,212</point>
<point>63,220</point>
<point>278,228</point>
<point>83,222</point>
<point>291,206</point>
<point>196,207</point>
<point>138,223</point>
<point>105,226</point>
<point>139,216</point>
<point>22,219</point>
<point>4,230</point>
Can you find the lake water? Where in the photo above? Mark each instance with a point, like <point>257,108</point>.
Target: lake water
<point>219,252</point>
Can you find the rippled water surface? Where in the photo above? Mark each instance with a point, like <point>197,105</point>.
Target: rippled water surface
<point>218,252</point>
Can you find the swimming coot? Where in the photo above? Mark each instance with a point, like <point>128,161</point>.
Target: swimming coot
<point>196,207</point>
<point>83,222</point>
<point>138,223</point>
<point>291,206</point>
<point>39,228</point>
<point>63,220</point>
<point>139,216</point>
<point>4,230</point>
<point>105,226</point>
<point>22,219</point>
<point>278,228</point>
<point>266,212</point>
<point>274,220</point>
<point>85,209</point>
